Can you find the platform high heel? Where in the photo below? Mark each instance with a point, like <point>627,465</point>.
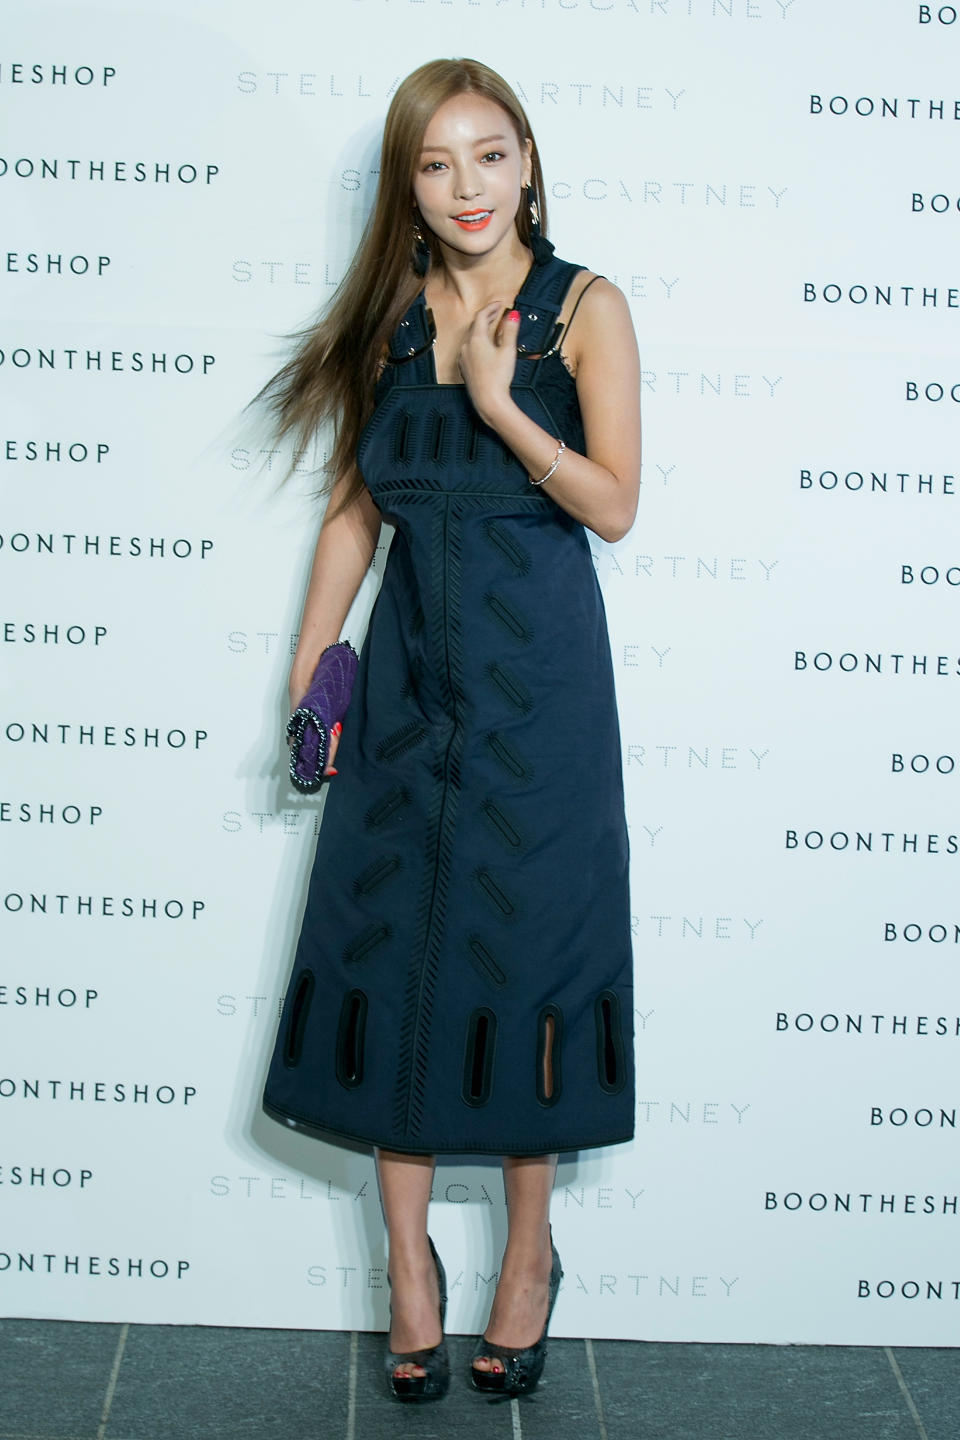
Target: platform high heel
<point>435,1361</point>
<point>521,1368</point>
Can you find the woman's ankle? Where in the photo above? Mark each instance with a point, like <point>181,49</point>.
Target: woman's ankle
<point>410,1261</point>
<point>529,1253</point>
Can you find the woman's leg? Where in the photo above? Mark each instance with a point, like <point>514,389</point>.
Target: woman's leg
<point>405,1182</point>
<point>519,1309</point>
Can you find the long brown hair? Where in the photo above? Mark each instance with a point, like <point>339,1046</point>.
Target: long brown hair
<point>332,373</point>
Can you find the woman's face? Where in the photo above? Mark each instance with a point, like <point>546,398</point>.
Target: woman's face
<point>470,173</point>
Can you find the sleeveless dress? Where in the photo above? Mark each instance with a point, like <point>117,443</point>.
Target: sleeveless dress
<point>463,980</point>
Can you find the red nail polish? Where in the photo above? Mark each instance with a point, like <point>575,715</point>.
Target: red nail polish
<point>331,771</point>
<point>514,316</point>
<point>337,729</point>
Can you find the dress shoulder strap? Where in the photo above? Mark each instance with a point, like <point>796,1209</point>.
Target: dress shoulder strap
<point>573,313</point>
<point>540,303</point>
<point>576,304</point>
<point>549,282</point>
<point>409,351</point>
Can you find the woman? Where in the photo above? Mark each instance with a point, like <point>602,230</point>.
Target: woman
<point>463,979</point>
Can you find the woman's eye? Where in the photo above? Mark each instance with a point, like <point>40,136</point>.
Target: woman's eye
<point>493,155</point>
<point>433,167</point>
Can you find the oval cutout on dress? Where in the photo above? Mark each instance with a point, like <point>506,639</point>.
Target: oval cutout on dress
<point>350,1038</point>
<point>436,443</point>
<point>549,1042</point>
<point>297,1020</point>
<point>610,1067</point>
<point>401,438</point>
<point>478,1056</point>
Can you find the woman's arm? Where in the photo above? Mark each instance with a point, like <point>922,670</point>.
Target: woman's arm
<point>345,549</point>
<point>600,488</point>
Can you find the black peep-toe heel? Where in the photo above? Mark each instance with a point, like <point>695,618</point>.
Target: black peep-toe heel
<point>521,1368</point>
<point>435,1361</point>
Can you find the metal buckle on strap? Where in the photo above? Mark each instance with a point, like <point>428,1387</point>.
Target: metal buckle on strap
<point>554,342</point>
<point>415,351</point>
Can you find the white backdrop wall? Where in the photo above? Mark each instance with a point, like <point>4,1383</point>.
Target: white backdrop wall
<point>772,183</point>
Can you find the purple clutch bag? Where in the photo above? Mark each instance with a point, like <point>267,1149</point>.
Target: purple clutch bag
<point>323,705</point>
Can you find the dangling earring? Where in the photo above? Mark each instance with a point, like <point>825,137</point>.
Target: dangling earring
<point>539,244</point>
<point>421,250</point>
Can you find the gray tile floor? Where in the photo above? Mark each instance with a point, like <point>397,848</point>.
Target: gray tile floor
<point>69,1381</point>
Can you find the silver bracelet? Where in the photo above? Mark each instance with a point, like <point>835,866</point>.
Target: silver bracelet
<point>556,461</point>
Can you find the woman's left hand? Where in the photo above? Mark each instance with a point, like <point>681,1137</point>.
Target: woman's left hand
<point>488,358</point>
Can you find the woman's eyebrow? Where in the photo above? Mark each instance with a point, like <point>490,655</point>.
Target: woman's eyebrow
<point>442,149</point>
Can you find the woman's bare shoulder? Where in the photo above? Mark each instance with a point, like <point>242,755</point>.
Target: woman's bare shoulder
<point>595,312</point>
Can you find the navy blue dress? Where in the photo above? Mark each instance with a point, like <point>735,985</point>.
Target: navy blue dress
<point>463,980</point>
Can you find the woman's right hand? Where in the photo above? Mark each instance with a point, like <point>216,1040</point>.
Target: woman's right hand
<point>488,359</point>
<point>296,693</point>
<point>335,734</point>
